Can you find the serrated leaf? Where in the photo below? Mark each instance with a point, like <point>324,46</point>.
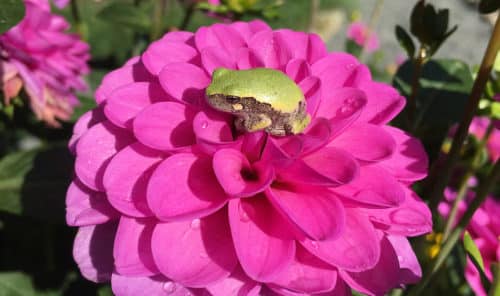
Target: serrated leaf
<point>11,13</point>
<point>405,41</point>
<point>488,6</point>
<point>34,182</point>
<point>15,284</point>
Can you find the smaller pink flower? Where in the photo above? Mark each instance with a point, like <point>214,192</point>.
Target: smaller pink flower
<point>478,128</point>
<point>485,231</point>
<point>359,33</point>
<point>39,56</point>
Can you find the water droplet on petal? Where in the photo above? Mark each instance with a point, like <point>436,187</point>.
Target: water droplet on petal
<point>203,255</point>
<point>350,66</point>
<point>243,214</point>
<point>315,245</point>
<point>401,259</point>
<point>195,224</point>
<point>204,124</point>
<point>170,287</point>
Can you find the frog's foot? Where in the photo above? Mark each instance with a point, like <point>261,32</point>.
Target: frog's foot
<point>257,122</point>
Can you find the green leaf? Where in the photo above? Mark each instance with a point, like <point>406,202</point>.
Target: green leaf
<point>495,288</point>
<point>405,41</point>
<point>488,6</point>
<point>15,284</point>
<point>127,15</point>
<point>34,182</point>
<point>475,256</point>
<point>11,13</point>
<point>444,88</point>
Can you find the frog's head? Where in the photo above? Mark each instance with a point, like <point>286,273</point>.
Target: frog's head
<point>221,93</point>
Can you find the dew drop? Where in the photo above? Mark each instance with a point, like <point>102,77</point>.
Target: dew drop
<point>195,224</point>
<point>350,66</point>
<point>203,255</point>
<point>243,214</point>
<point>204,124</point>
<point>400,259</point>
<point>170,287</point>
<point>315,245</point>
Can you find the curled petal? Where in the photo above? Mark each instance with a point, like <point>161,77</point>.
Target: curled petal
<point>184,186</point>
<point>195,253</point>
<point>164,52</point>
<point>93,251</point>
<point>316,211</point>
<point>334,70</point>
<point>213,58</point>
<point>94,151</point>
<point>298,70</point>
<point>238,283</point>
<point>132,247</point>
<point>409,268</point>
<point>184,82</point>
<point>357,248</point>
<point>219,35</point>
<point>262,240</point>
<point>154,286</point>
<point>213,131</point>
<point>165,126</point>
<point>237,176</point>
<point>86,207</point>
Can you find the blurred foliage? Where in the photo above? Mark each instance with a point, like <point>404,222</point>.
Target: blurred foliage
<point>11,12</point>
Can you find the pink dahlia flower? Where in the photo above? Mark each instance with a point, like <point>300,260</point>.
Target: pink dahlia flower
<point>478,128</point>
<point>484,228</point>
<point>358,32</point>
<point>38,55</point>
<point>171,199</point>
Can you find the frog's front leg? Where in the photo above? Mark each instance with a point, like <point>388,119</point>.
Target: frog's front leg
<point>257,122</point>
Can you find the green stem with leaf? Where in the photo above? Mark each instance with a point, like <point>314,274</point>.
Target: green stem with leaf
<point>418,63</point>
<point>464,187</point>
<point>438,181</point>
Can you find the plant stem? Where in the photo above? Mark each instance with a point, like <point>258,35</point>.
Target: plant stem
<point>372,23</point>
<point>418,63</point>
<point>187,17</point>
<point>159,11</point>
<point>495,287</point>
<point>438,182</point>
<point>455,235</point>
<point>462,191</point>
<point>75,13</point>
<point>314,13</point>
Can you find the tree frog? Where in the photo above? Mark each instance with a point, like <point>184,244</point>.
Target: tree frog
<point>261,99</point>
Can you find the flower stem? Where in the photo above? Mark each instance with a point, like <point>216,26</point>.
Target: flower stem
<point>187,17</point>
<point>418,63</point>
<point>159,11</point>
<point>372,23</point>
<point>75,13</point>
<point>495,287</point>
<point>462,191</point>
<point>455,235</point>
<point>438,181</point>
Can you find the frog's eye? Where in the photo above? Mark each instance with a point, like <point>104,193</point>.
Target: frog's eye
<point>232,99</point>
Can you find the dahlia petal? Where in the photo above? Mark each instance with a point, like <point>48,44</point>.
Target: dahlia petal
<point>270,51</point>
<point>409,161</point>
<point>94,151</point>
<point>381,278</point>
<point>261,238</point>
<point>127,176</point>
<point>298,70</point>
<point>366,142</point>
<point>410,271</point>
<point>252,145</point>
<point>192,192</point>
<point>93,251</point>
<point>213,58</point>
<point>132,247</point>
<point>341,103</point>
<point>86,207</point>
<point>384,102</point>
<point>316,211</point>
<point>154,286</point>
<point>195,253</point>
<point>185,82</point>
<point>411,218</point>
<point>374,186</point>
<point>86,121</point>
<point>309,47</point>
<point>212,131</point>
<point>307,274</point>
<point>247,59</point>
<point>231,166</point>
<point>329,166</point>
<point>121,77</point>
<point>161,53</point>
<point>247,30</point>
<point>236,284</point>
<point>334,70</point>
<point>316,136</point>
<point>125,102</point>
<point>311,87</point>
<point>356,249</point>
<point>151,128</point>
<point>220,36</point>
